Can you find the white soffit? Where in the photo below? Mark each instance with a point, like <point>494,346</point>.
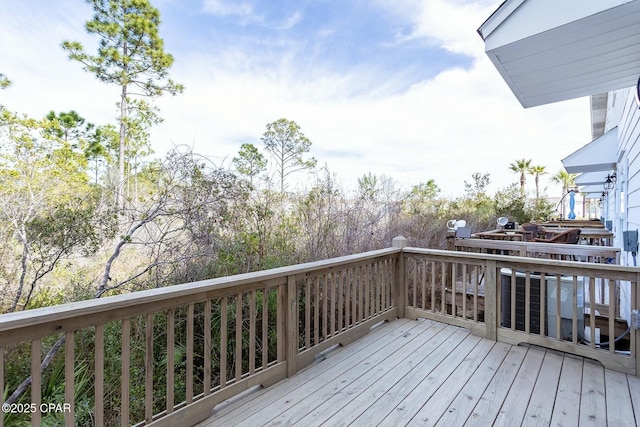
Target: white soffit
<point>591,178</point>
<point>598,155</point>
<point>592,189</point>
<point>550,50</point>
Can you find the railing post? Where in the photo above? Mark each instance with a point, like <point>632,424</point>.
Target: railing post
<point>291,320</point>
<point>491,301</point>
<point>451,240</point>
<point>400,285</point>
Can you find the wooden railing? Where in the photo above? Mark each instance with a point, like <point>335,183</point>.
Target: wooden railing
<point>586,253</point>
<point>168,356</point>
<point>179,351</point>
<point>516,300</point>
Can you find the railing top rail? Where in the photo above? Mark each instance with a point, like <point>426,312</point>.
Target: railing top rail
<point>539,247</point>
<point>80,314</point>
<point>624,272</point>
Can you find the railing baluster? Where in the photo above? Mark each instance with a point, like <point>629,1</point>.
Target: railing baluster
<point>148,369</point>
<point>347,298</point>
<point>592,312</point>
<point>325,308</point>
<point>387,296</point>
<point>316,310</point>
<point>69,377</point>
<point>340,288</point>
<point>36,381</point>
<point>332,318</point>
<point>293,325</point>
<point>252,332</point>
<point>238,350</point>
<point>558,307</point>
<point>367,291</point>
<point>126,365</point>
<point>423,302</point>
<point>171,334</point>
<point>527,302</point>
<point>265,328</point>
<point>99,376</point>
<point>514,289</point>
<point>443,285</point>
<point>360,282</point>
<point>281,344</point>
<point>454,273</point>
<point>414,278</point>
<point>307,314</point>
<point>464,291</point>
<point>190,337</point>
<point>612,315</point>
<point>433,286</point>
<point>377,286</point>
<point>354,297</point>
<point>476,283</point>
<point>574,318</point>
<point>207,348</point>
<point>543,303</point>
<point>223,342</point>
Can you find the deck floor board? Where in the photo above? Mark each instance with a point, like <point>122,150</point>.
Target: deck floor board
<point>427,373</point>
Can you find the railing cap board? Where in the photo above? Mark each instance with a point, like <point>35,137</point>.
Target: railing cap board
<point>573,267</point>
<point>539,247</point>
<point>75,315</point>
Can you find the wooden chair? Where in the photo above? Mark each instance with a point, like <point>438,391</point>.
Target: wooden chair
<point>567,236</point>
<point>531,231</point>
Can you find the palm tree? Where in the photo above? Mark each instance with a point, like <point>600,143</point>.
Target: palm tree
<point>567,180</point>
<point>522,167</point>
<point>536,171</point>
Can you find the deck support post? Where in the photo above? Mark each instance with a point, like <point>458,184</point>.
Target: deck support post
<point>399,283</point>
<point>491,301</point>
<point>292,325</point>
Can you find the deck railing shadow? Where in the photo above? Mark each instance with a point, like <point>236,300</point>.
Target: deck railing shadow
<point>183,349</point>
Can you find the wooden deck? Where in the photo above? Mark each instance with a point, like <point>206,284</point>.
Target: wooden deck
<point>409,372</point>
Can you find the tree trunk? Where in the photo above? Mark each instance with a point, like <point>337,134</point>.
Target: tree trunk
<point>121,146</point>
<point>23,266</point>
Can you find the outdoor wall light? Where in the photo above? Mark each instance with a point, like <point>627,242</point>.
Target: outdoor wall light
<point>610,182</point>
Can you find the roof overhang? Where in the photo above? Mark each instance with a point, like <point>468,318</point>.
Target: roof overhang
<point>591,178</point>
<point>598,155</point>
<point>592,189</point>
<point>549,50</point>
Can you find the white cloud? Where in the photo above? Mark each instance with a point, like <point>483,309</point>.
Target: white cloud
<point>226,8</point>
<point>462,121</point>
<point>446,128</point>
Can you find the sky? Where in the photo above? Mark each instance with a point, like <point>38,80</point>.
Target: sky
<point>400,88</point>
